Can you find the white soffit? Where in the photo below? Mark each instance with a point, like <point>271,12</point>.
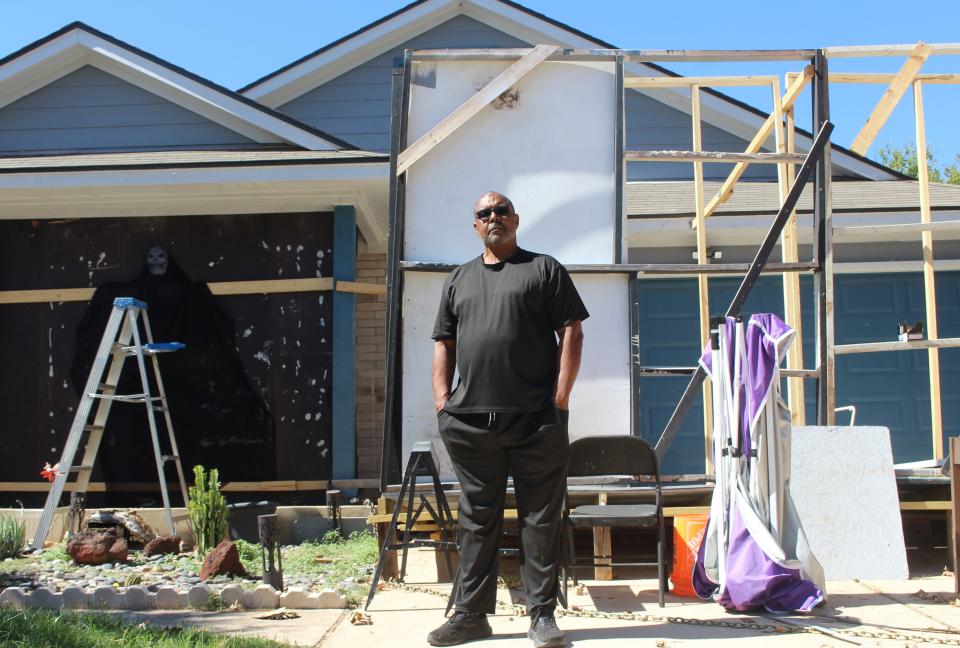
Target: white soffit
<point>51,60</point>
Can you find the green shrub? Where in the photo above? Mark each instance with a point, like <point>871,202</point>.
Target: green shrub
<point>207,509</point>
<point>12,536</point>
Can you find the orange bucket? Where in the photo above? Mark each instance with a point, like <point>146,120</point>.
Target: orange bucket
<point>688,532</point>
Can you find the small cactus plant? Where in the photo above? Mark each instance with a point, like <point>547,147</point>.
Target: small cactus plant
<point>207,509</point>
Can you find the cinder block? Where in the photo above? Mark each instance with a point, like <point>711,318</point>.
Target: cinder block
<point>297,598</point>
<point>13,597</point>
<point>139,597</point>
<point>198,596</point>
<point>263,597</point>
<point>231,594</point>
<point>74,598</point>
<point>105,598</point>
<point>168,598</point>
<point>44,598</point>
<point>330,599</point>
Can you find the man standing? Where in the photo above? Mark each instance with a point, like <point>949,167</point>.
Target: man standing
<point>509,321</point>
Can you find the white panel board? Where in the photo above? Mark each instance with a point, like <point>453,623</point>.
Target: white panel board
<point>551,151</point>
<point>843,484</point>
<point>600,403</point>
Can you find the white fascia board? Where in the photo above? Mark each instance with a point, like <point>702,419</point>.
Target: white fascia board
<point>37,68</point>
<point>198,97</point>
<point>191,191</point>
<point>319,69</point>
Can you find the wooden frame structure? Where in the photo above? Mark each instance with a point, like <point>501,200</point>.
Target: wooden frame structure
<point>780,125</point>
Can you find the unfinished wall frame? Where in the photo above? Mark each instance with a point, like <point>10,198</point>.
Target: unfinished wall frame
<point>778,126</point>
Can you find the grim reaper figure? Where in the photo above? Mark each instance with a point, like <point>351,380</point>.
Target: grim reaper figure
<point>220,420</point>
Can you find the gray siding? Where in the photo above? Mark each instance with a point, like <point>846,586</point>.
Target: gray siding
<point>91,110</point>
<point>355,106</point>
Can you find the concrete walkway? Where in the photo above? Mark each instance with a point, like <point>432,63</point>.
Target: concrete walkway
<point>916,612</point>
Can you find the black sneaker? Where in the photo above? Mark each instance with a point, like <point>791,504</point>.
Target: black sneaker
<point>545,634</point>
<point>461,628</point>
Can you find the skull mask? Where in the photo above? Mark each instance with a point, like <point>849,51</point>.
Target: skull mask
<point>157,260</point>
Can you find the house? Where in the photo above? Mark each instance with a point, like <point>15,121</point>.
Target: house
<point>107,150</point>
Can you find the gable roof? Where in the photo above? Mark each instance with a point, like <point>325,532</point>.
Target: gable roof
<point>344,54</point>
<point>78,44</point>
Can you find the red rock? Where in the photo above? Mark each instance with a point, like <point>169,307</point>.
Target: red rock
<point>97,547</point>
<point>162,545</point>
<point>222,559</point>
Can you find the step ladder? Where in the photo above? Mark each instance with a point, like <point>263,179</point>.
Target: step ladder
<point>121,339</point>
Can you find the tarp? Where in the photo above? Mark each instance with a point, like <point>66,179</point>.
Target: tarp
<point>754,553</point>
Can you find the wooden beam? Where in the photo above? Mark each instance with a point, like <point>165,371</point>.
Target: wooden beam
<point>360,288</point>
<point>229,487</point>
<point>789,98</point>
<point>786,173</point>
<point>703,285</point>
<point>860,51</point>
<point>926,505</point>
<point>602,546</point>
<point>898,228</point>
<point>897,345</point>
<point>641,56</point>
<point>473,105</point>
<point>217,288</point>
<point>929,277</point>
<point>887,77</point>
<point>955,512</point>
<point>712,156</point>
<point>891,97</point>
<point>687,82</point>
<point>631,56</point>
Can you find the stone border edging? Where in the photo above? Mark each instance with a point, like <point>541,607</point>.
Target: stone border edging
<point>138,597</point>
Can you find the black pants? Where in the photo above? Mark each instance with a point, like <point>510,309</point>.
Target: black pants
<point>484,449</point>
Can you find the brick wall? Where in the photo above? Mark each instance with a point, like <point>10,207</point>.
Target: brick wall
<point>371,367</point>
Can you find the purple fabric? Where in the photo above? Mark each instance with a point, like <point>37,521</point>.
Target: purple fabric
<point>755,581</point>
<point>752,579</point>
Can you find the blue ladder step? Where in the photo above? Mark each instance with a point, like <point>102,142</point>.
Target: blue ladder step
<point>127,302</point>
<point>160,347</point>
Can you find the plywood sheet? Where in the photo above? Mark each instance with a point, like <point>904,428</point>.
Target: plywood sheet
<point>548,144</point>
<point>846,495</point>
<point>600,403</point>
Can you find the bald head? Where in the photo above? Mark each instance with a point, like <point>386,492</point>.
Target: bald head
<point>492,198</point>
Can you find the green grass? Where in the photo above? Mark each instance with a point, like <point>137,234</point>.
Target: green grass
<point>46,629</point>
<point>12,532</point>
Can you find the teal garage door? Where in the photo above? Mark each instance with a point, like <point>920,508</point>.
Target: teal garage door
<point>888,388</point>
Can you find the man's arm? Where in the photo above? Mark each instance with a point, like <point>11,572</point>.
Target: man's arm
<point>444,362</point>
<point>568,363</point>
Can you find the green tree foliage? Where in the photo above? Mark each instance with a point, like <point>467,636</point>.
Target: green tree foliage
<point>904,160</point>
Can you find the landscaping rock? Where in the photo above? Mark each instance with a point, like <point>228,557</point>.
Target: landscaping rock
<point>223,559</point>
<point>97,548</point>
<point>74,598</point>
<point>162,545</point>
<point>14,597</point>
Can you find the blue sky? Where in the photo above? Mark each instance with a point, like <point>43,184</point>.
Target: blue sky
<point>234,43</point>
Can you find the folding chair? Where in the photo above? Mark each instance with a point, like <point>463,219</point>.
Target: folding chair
<point>604,456</point>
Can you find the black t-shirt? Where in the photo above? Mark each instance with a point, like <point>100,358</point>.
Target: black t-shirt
<point>504,317</point>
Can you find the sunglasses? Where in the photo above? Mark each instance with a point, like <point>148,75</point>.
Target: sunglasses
<point>499,210</point>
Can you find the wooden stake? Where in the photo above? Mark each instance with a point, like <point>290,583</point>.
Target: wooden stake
<point>603,546</point>
<point>790,254</point>
<point>891,97</point>
<point>757,142</point>
<point>954,511</point>
<point>703,286</point>
<point>929,279</point>
<point>473,105</point>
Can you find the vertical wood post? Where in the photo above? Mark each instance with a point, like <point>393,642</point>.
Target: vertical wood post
<point>603,546</point>
<point>344,412</point>
<point>954,511</point>
<point>929,278</point>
